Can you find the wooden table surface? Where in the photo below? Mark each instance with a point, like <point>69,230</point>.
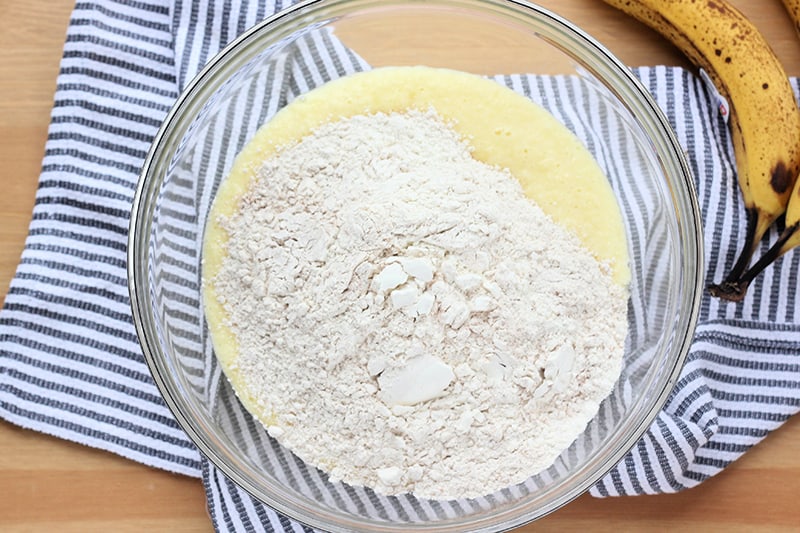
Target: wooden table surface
<point>50,485</point>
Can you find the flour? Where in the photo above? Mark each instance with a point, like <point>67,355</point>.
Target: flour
<point>407,319</point>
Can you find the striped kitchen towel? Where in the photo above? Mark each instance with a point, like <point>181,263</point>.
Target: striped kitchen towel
<point>70,364</point>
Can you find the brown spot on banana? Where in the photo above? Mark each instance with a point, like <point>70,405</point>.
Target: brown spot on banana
<point>782,179</point>
<point>717,7</point>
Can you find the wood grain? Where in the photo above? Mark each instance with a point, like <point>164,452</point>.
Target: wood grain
<point>52,485</point>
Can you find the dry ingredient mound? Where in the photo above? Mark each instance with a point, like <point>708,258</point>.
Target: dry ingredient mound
<point>406,319</point>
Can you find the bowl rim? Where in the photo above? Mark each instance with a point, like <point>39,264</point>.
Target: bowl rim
<point>656,123</point>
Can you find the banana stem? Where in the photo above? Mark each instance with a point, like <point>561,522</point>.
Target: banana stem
<point>748,249</point>
<point>734,291</point>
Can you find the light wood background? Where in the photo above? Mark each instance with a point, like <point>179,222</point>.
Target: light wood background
<point>50,485</point>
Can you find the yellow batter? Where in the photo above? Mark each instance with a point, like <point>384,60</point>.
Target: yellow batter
<point>504,128</point>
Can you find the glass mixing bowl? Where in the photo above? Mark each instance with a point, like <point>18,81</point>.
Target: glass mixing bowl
<point>524,46</point>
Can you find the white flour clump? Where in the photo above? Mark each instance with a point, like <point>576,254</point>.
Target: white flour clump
<point>407,319</point>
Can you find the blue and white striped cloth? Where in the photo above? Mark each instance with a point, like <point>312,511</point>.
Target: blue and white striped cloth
<point>70,363</point>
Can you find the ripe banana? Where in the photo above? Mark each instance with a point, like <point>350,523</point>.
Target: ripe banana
<point>793,8</point>
<point>789,238</point>
<point>765,121</point>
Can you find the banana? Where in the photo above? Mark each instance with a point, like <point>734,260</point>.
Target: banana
<point>765,121</point>
<point>793,8</point>
<point>788,239</point>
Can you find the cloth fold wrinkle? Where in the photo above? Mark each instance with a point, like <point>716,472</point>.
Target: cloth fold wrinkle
<point>69,361</point>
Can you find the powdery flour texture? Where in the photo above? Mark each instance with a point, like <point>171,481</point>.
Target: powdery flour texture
<point>407,319</point>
